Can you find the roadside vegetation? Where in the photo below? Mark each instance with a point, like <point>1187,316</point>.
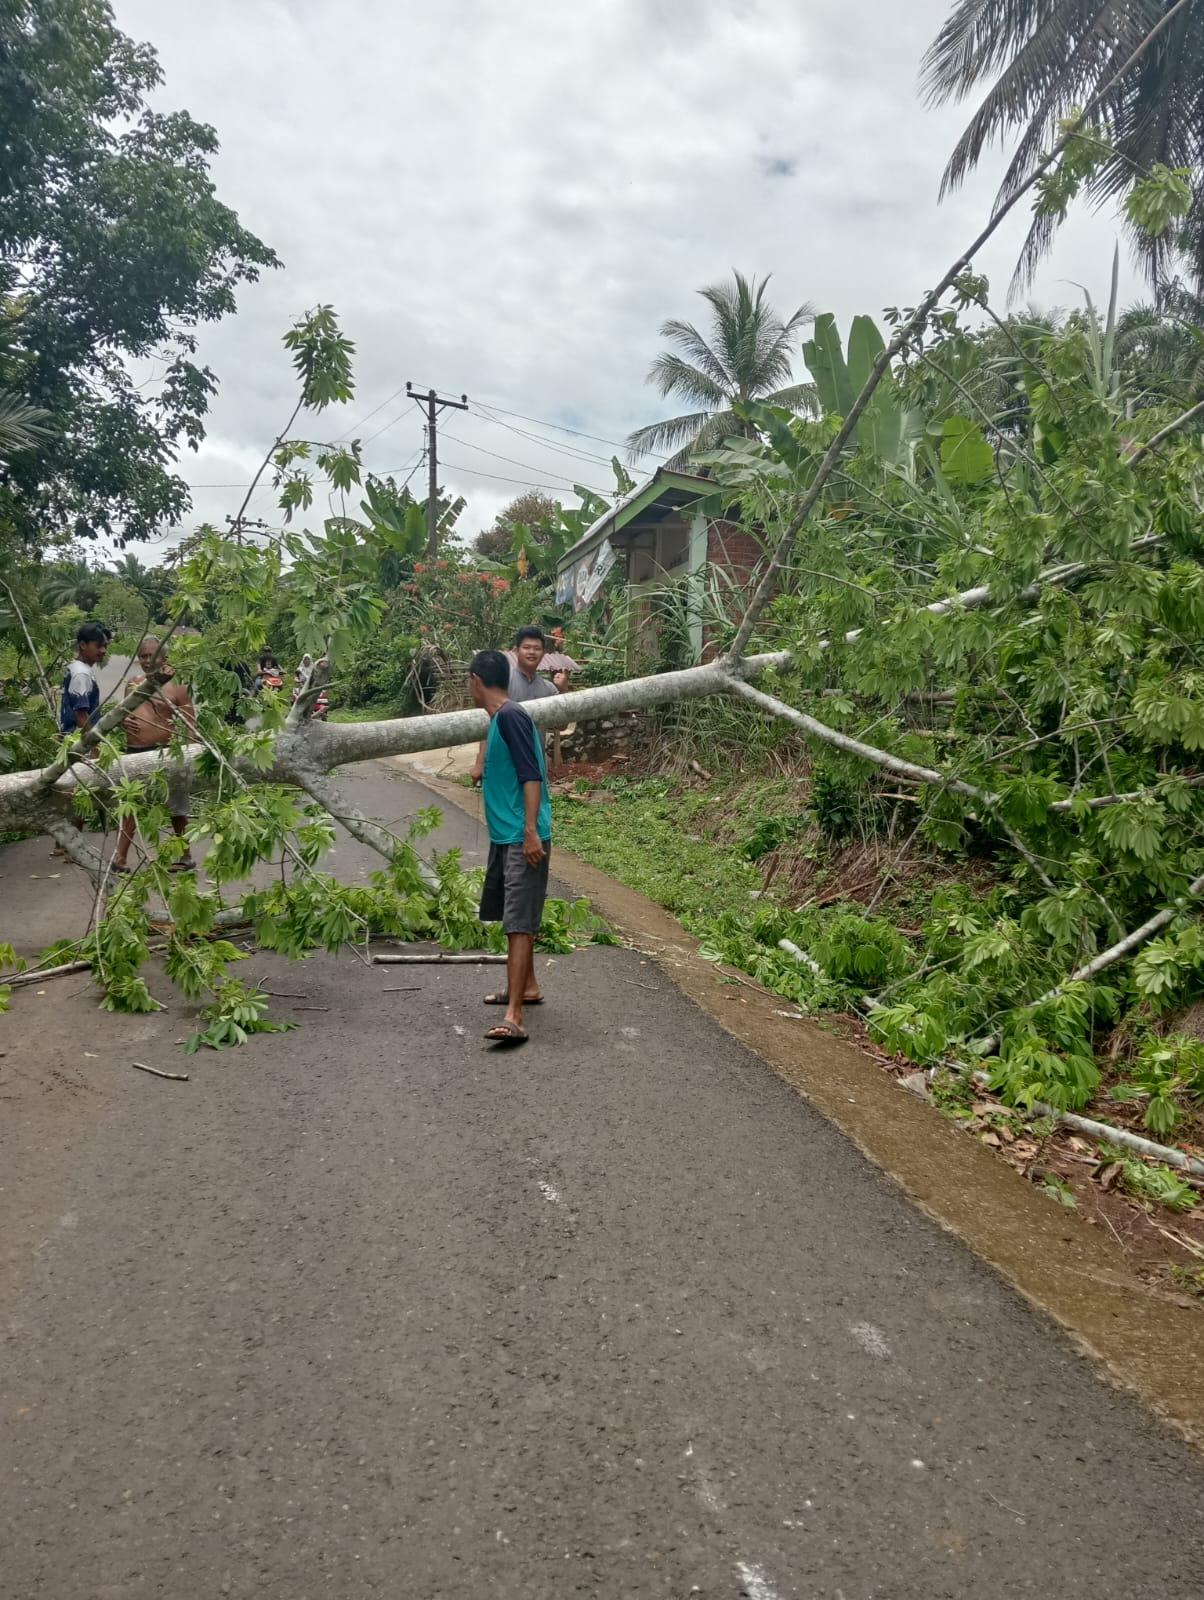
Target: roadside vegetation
<point>966,805</point>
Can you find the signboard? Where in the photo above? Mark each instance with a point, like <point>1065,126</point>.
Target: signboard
<point>580,583</point>
<point>603,561</point>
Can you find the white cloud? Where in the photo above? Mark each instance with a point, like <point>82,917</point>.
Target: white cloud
<point>507,200</point>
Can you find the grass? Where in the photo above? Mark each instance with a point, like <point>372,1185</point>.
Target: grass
<point>378,711</point>
<point>654,840</point>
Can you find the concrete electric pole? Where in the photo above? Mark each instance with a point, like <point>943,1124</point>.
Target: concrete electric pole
<point>433,404</point>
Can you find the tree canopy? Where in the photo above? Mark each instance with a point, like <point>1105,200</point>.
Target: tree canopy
<point>1048,57</point>
<point>114,249</point>
<point>747,357</point>
<point>531,510</point>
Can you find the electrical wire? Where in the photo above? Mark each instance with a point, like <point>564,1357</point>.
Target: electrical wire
<point>527,483</point>
<point>526,465</point>
<point>383,428</point>
<point>368,417</point>
<point>560,427</point>
<point>575,454</point>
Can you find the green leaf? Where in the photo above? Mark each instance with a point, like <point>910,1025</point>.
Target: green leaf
<point>1160,199</point>
<point>966,457</point>
<point>826,364</point>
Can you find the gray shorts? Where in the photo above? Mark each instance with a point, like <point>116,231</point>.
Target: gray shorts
<point>514,893</point>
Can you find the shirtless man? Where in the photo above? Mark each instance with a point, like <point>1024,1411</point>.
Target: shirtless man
<point>150,727</point>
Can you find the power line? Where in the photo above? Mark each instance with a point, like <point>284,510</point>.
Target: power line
<point>384,428</point>
<point>528,483</point>
<point>577,433</point>
<point>560,427</point>
<point>347,434</point>
<point>569,450</point>
<point>526,465</point>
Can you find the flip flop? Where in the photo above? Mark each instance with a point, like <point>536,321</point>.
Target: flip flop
<point>185,864</point>
<point>503,999</point>
<point>507,1033</point>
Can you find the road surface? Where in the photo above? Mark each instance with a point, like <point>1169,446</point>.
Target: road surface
<point>368,1309</point>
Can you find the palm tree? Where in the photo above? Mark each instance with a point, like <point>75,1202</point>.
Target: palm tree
<point>1054,55</point>
<point>1161,347</point>
<point>71,583</point>
<point>152,585</point>
<point>747,358</point>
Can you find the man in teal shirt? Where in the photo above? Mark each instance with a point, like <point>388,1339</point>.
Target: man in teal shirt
<point>518,814</point>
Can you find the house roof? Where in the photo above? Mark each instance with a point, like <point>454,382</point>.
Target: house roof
<point>665,486</point>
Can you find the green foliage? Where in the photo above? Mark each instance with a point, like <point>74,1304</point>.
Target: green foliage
<point>1148,1180</point>
<point>1165,1069</point>
<point>1082,157</point>
<point>886,427</point>
<point>113,248</point>
<point>1161,198</point>
<point>1036,65</point>
<point>236,1013</point>
<point>966,457</point>
<point>1058,1189</point>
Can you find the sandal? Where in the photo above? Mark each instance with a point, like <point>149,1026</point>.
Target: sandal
<point>507,1033</point>
<point>503,999</point>
<point>185,864</point>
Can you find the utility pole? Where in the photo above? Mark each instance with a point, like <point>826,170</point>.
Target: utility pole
<point>237,524</point>
<point>432,404</point>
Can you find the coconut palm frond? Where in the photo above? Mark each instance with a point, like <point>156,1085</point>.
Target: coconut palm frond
<point>1041,59</point>
<point>748,356</point>
<point>22,426</point>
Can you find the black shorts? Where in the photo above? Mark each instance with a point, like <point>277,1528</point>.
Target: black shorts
<point>514,893</point>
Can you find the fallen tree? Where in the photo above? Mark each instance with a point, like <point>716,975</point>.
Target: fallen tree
<point>1074,584</point>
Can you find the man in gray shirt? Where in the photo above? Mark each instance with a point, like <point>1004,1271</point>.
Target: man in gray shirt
<point>526,684</point>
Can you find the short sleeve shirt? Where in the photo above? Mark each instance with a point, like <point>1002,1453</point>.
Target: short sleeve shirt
<point>81,692</point>
<point>523,688</point>
<point>513,756</point>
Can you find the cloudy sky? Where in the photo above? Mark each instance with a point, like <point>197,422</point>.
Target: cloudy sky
<point>508,199</point>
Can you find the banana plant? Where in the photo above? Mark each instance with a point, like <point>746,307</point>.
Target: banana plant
<point>888,427</point>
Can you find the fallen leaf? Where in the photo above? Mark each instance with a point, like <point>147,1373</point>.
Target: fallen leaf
<point>1107,1176</point>
<point>992,1139</point>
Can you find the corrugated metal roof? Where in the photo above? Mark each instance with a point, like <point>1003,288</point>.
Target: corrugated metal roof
<point>613,519</point>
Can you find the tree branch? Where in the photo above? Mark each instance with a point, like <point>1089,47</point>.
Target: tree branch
<point>895,764</point>
<point>40,671</point>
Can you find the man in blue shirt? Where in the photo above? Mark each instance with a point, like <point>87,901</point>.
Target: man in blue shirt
<point>518,814</point>
<point>79,705</point>
<point>81,689</point>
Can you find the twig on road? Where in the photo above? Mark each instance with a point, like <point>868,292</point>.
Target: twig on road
<point>157,1072</point>
<point>437,960</point>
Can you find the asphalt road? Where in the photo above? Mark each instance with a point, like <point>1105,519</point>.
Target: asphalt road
<point>369,1309</point>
